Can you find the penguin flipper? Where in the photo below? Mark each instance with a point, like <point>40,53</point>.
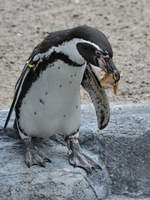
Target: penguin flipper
<point>92,85</point>
<point>17,93</point>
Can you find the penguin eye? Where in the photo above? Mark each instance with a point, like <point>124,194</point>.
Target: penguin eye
<point>98,54</point>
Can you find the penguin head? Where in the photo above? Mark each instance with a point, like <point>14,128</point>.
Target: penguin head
<point>96,50</point>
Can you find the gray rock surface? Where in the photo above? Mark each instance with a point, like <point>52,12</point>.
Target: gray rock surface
<point>122,197</point>
<point>122,149</point>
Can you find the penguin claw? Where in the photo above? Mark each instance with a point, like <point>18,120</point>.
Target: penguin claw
<point>78,159</point>
<point>34,157</point>
<point>47,160</point>
<point>42,164</point>
<point>28,164</point>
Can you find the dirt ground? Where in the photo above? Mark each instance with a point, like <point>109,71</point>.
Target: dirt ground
<point>23,24</point>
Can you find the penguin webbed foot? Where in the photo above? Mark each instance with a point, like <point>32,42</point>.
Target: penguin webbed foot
<point>78,159</point>
<point>33,156</point>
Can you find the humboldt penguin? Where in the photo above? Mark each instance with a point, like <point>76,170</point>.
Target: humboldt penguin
<point>47,93</point>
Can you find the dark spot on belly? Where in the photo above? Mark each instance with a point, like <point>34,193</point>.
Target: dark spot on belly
<point>60,85</point>
<point>42,102</point>
<point>71,76</point>
<point>77,106</point>
<point>58,67</point>
<point>64,116</point>
<point>46,93</point>
<point>70,82</point>
<point>75,75</point>
<point>35,113</point>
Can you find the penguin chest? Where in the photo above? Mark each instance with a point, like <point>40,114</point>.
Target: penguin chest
<point>52,104</point>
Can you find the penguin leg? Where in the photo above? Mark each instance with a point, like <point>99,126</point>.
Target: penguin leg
<point>76,156</point>
<point>33,156</point>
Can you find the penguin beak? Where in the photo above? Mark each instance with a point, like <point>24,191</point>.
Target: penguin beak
<point>109,67</point>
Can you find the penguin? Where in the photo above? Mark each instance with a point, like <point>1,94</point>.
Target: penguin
<point>47,94</point>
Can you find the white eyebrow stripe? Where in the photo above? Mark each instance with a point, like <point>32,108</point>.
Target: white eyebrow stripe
<point>68,48</point>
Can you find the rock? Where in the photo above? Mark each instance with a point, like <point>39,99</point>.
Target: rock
<point>58,181</point>
<point>122,197</point>
<point>122,149</point>
<point>127,151</point>
<point>126,148</point>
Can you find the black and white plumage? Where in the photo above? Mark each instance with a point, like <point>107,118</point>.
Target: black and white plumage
<point>47,96</point>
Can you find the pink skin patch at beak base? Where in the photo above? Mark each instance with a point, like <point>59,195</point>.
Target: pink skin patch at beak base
<point>101,63</point>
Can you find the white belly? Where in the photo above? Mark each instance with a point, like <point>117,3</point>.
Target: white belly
<point>52,104</point>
